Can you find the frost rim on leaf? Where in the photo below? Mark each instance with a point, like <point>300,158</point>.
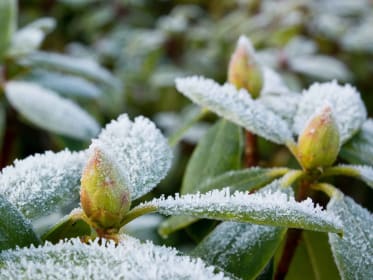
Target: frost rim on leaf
<point>130,260</point>
<point>348,108</point>
<point>236,106</point>
<point>40,184</point>
<point>269,208</point>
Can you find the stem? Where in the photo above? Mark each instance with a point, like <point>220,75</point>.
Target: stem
<point>137,212</point>
<point>175,137</point>
<point>328,189</point>
<point>251,155</point>
<point>292,238</point>
<point>291,177</point>
<point>340,170</point>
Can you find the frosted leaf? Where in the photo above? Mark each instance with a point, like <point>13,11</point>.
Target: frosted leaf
<point>130,260</point>
<point>320,67</point>
<point>267,208</point>
<point>273,83</point>
<point>348,108</point>
<point>42,183</point>
<point>353,253</point>
<point>240,248</point>
<point>236,106</point>
<point>30,37</point>
<point>359,150</point>
<point>15,230</point>
<point>141,151</point>
<point>84,67</point>
<point>47,110</point>
<point>67,85</point>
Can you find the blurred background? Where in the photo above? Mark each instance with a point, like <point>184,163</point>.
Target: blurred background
<point>116,56</point>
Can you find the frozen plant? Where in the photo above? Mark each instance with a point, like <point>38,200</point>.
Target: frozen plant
<point>129,158</point>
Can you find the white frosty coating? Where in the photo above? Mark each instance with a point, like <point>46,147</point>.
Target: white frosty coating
<point>277,97</point>
<point>349,110</point>
<point>273,83</point>
<point>141,151</point>
<point>40,184</point>
<point>353,253</point>
<point>236,106</point>
<point>49,111</point>
<point>271,208</point>
<point>130,260</point>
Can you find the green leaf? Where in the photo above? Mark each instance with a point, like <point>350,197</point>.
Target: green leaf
<point>244,180</point>
<point>67,85</point>
<point>320,67</point>
<point>15,230</point>
<point>359,150</point>
<point>241,249</point>
<point>353,253</point>
<point>103,259</point>
<point>83,67</point>
<point>2,123</point>
<point>8,23</point>
<point>313,259</point>
<point>217,152</point>
<point>72,225</point>
<point>266,208</point>
<point>47,110</point>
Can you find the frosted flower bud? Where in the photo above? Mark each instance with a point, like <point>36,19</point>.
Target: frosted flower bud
<point>244,71</point>
<point>319,143</point>
<point>104,195</point>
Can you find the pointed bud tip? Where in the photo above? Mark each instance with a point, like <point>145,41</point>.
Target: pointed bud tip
<point>243,71</point>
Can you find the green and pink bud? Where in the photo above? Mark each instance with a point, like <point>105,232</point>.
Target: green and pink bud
<point>244,71</point>
<point>319,143</point>
<point>104,195</point>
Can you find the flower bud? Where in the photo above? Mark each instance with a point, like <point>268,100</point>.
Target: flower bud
<point>104,196</point>
<point>244,71</point>
<point>319,143</point>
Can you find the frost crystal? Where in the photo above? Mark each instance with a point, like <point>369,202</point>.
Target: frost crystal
<point>130,260</point>
<point>348,108</point>
<point>268,208</point>
<point>42,183</point>
<point>353,253</point>
<point>141,151</point>
<point>49,111</point>
<point>236,106</point>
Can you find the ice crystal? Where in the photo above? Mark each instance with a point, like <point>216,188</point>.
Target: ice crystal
<point>349,110</point>
<point>236,106</point>
<point>49,111</point>
<point>130,260</point>
<point>141,151</point>
<point>42,183</point>
<point>268,208</point>
<point>353,253</point>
